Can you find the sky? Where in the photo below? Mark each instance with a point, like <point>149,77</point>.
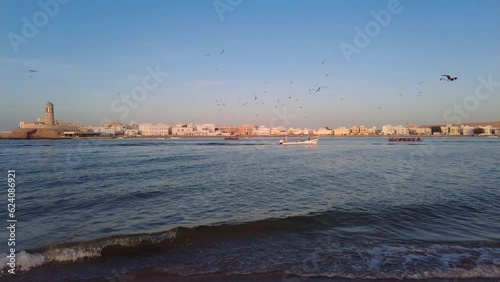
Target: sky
<point>162,61</point>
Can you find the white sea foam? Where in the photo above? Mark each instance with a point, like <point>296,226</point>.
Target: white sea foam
<point>65,255</point>
<point>24,261</point>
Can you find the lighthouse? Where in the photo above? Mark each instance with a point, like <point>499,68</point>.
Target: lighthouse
<point>49,113</point>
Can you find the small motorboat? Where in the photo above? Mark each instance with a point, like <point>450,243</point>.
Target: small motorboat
<point>231,137</point>
<point>310,141</point>
<point>405,139</point>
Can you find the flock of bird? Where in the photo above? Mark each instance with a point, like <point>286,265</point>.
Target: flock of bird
<point>31,72</point>
<point>314,89</point>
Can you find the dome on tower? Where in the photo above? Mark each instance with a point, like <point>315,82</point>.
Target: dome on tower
<point>49,104</point>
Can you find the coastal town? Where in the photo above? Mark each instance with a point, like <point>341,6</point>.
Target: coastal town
<point>49,127</point>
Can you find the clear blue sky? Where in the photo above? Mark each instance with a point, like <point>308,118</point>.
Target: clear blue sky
<point>89,51</point>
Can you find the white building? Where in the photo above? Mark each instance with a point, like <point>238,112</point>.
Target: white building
<point>109,129</point>
<point>467,130</point>
<point>207,129</point>
<point>363,130</point>
<point>278,130</point>
<point>487,129</point>
<point>372,131</point>
<point>183,129</point>
<point>354,130</point>
<point>149,129</point>
<point>421,131</point>
<point>323,131</point>
<point>131,132</point>
<point>449,129</point>
<point>341,131</point>
<point>262,130</point>
<point>298,131</point>
<point>388,130</point>
<point>401,130</point>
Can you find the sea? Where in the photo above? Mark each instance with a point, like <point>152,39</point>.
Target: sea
<point>346,209</point>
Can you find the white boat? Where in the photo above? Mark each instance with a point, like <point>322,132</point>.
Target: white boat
<point>174,137</point>
<point>312,141</point>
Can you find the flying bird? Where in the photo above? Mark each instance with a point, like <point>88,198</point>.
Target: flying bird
<point>244,104</point>
<point>379,108</point>
<point>448,78</point>
<point>323,62</point>
<point>420,82</point>
<point>222,51</point>
<point>319,88</point>
<point>32,70</point>
<point>291,81</point>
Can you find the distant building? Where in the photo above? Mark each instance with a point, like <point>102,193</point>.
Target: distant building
<point>183,129</point>
<point>341,131</point>
<point>278,130</point>
<point>487,129</point>
<point>262,130</point>
<point>421,131</point>
<point>388,130</point>
<point>401,130</point>
<point>298,131</point>
<point>323,131</point>
<point>207,129</point>
<point>245,129</point>
<point>50,122</point>
<point>227,130</point>
<point>149,129</point>
<point>372,131</point>
<point>467,130</point>
<point>449,129</point>
<point>354,130</point>
<point>363,130</point>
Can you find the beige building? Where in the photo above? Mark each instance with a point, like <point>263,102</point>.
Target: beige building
<point>245,129</point>
<point>341,131</point>
<point>50,122</point>
<point>450,130</point>
<point>226,129</point>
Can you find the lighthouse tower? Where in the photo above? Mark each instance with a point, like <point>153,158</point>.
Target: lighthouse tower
<point>49,113</point>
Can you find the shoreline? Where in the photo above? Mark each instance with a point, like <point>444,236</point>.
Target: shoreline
<point>251,137</point>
